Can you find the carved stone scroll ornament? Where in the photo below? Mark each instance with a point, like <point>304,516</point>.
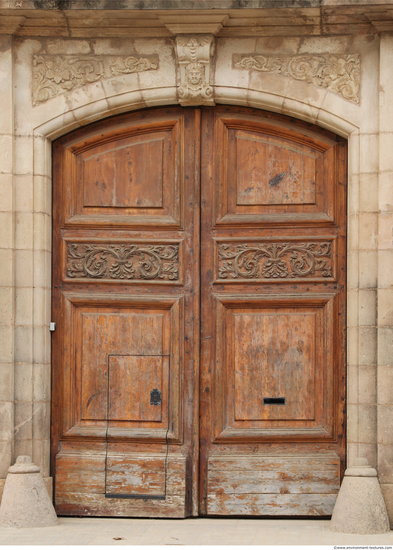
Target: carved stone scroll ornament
<point>338,73</point>
<point>194,73</point>
<point>56,74</point>
<point>158,262</point>
<point>278,260</point>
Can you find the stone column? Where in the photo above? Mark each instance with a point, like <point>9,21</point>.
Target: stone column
<point>362,268</point>
<point>7,313</point>
<point>385,275</point>
<point>32,159</point>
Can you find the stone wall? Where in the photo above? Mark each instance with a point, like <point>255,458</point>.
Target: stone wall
<point>53,85</point>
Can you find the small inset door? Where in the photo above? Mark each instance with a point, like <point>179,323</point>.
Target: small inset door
<point>173,223</point>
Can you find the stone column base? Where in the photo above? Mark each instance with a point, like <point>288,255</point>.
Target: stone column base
<point>25,501</point>
<point>360,507</point>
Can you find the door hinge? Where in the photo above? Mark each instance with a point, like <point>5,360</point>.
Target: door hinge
<point>52,326</point>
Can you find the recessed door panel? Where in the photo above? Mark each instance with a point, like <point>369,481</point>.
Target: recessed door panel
<point>271,172</point>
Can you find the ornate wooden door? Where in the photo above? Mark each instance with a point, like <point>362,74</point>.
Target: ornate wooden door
<point>130,249</point>
<point>126,304</point>
<point>273,279</point>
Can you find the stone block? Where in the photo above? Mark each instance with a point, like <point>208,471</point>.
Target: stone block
<point>367,346</point>
<point>6,343</point>
<point>6,152</point>
<point>6,267</point>
<point>385,229</point>
<point>6,449</point>
<point>367,396</point>
<point>23,383</point>
<point>385,151</point>
<point>367,307</point>
<point>368,230</point>
<point>385,424</point>
<point>23,344</point>
<point>41,342</point>
<point>41,382</point>
<point>23,306</point>
<point>353,231</point>
<point>6,305</point>
<point>24,268</point>
<point>385,307</point>
<point>23,155</point>
<point>352,307</point>
<point>7,420</point>
<point>385,346</point>
<point>23,185</point>
<point>385,463</point>
<point>385,188</point>
<point>23,420</point>
<point>353,384</point>
<point>368,197</point>
<point>41,420</point>
<point>387,491</point>
<point>42,268</point>
<point>6,229</point>
<point>353,269</point>
<point>41,454</point>
<point>369,161</point>
<point>24,230</point>
<point>385,385</point>
<point>368,269</point>
<point>42,194</point>
<point>6,382</point>
<point>42,307</point>
<point>42,231</point>
<point>56,46</point>
<point>367,418</point>
<point>6,199</point>
<point>352,423</point>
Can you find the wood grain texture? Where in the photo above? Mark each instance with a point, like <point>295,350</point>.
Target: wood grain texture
<point>83,479</point>
<point>126,215</point>
<point>270,171</point>
<point>273,485</point>
<point>152,258</point>
<point>273,315</point>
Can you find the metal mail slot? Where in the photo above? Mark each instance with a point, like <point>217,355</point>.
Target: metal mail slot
<point>274,400</point>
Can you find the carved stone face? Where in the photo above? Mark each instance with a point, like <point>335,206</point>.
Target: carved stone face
<point>195,74</point>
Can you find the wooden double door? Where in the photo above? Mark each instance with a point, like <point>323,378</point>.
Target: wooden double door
<point>199,298</point>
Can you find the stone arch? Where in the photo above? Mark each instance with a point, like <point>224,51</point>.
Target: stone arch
<point>54,126</point>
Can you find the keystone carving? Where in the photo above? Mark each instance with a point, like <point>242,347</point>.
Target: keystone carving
<point>339,73</point>
<point>194,72</point>
<point>56,74</point>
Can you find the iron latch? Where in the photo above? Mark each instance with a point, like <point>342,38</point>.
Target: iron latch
<point>155,397</point>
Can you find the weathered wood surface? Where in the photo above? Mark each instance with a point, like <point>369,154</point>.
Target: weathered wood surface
<point>134,239</point>
<point>273,312</point>
<point>250,475</point>
<point>126,216</point>
<point>271,505</point>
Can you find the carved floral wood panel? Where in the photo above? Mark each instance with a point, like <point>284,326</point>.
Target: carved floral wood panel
<point>130,262</point>
<point>275,260</point>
